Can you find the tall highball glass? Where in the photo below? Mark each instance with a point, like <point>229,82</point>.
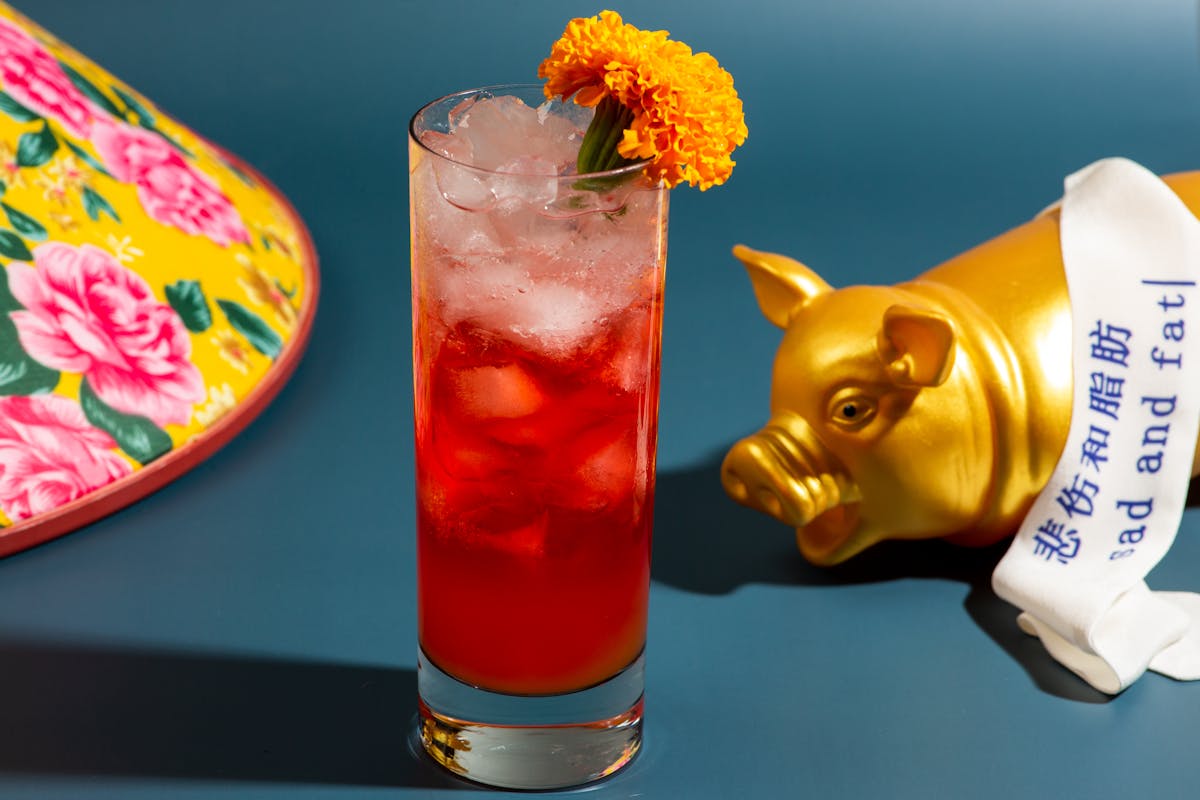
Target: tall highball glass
<point>537,307</point>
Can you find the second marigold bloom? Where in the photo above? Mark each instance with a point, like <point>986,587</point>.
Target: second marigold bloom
<point>687,117</point>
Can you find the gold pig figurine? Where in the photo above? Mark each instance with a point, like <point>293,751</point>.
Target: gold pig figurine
<point>934,408</point>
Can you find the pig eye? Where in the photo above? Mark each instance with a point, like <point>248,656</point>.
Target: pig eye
<point>851,411</point>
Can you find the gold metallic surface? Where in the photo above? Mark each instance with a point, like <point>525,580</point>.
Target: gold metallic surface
<point>934,408</point>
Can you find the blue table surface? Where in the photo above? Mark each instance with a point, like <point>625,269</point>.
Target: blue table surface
<point>249,631</point>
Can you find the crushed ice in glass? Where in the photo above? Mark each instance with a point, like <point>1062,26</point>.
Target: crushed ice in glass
<point>528,253</point>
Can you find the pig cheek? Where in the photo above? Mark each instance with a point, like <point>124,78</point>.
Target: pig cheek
<point>950,460</point>
<point>916,487</point>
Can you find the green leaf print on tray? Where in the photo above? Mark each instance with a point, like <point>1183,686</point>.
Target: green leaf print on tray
<point>189,302</point>
<point>252,326</point>
<point>24,224</point>
<point>12,246</point>
<point>36,147</point>
<point>139,437</point>
<point>19,374</point>
<point>15,110</point>
<point>95,205</point>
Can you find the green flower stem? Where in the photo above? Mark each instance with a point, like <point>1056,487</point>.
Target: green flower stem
<point>598,151</point>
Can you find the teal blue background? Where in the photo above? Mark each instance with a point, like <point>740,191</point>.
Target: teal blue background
<point>249,630</point>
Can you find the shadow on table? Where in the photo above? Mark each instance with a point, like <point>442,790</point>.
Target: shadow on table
<point>73,709</point>
<point>706,543</point>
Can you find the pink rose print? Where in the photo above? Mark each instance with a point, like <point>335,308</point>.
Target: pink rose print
<point>170,189</point>
<point>36,81</point>
<point>50,455</point>
<point>85,312</point>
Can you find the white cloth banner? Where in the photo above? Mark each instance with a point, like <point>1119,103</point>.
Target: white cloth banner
<point>1111,509</point>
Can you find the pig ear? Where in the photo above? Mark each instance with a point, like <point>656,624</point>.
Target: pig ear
<point>917,345</point>
<point>781,284</point>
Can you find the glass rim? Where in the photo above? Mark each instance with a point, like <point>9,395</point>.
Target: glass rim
<point>500,88</point>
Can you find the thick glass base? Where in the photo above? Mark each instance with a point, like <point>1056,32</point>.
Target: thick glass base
<point>530,742</point>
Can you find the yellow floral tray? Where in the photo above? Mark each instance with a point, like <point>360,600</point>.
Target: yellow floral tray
<point>155,291</point>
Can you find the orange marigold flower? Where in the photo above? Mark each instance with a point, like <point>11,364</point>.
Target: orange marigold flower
<point>687,117</point>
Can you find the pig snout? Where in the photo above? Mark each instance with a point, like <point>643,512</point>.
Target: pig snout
<point>785,471</point>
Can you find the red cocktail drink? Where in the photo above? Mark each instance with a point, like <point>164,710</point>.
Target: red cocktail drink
<point>537,304</point>
<point>536,486</point>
